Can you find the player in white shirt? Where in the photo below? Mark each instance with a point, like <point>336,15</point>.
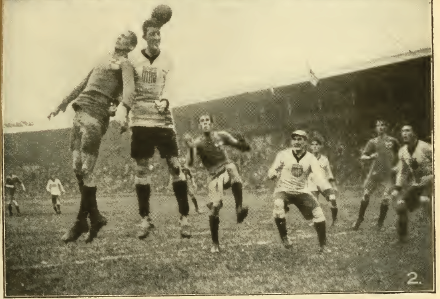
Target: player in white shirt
<point>151,121</point>
<point>55,188</point>
<point>414,179</point>
<point>292,168</point>
<point>316,143</point>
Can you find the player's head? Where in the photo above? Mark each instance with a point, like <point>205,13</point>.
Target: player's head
<point>316,143</point>
<point>127,41</point>
<point>299,139</point>
<point>151,33</point>
<point>182,160</point>
<point>408,133</point>
<point>151,28</point>
<point>381,126</point>
<point>205,122</point>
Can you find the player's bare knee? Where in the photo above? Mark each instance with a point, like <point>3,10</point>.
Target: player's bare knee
<point>385,201</point>
<point>278,208</point>
<point>173,166</point>
<point>318,215</point>
<point>401,207</point>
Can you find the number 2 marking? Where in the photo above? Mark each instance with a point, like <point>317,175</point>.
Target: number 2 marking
<point>413,278</point>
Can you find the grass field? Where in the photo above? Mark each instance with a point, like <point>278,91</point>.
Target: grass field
<point>252,261</point>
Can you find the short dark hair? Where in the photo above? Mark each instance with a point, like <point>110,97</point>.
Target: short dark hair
<point>381,120</point>
<point>133,38</point>
<point>317,137</point>
<point>151,23</point>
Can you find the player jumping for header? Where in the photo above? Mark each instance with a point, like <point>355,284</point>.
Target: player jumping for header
<point>292,168</point>
<point>413,180</point>
<point>316,143</point>
<point>94,97</point>
<point>151,121</point>
<point>223,173</point>
<point>10,187</point>
<point>383,151</point>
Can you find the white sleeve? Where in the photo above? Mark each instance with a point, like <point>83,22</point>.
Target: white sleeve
<point>318,174</point>
<point>276,167</point>
<point>61,186</point>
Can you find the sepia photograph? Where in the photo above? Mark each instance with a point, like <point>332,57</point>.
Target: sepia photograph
<point>193,148</point>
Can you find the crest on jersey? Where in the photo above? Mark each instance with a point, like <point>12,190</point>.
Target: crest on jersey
<point>389,144</point>
<point>297,170</point>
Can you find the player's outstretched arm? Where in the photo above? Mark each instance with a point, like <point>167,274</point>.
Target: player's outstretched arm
<point>61,186</point>
<point>72,96</point>
<point>230,140</point>
<point>320,180</point>
<point>275,170</point>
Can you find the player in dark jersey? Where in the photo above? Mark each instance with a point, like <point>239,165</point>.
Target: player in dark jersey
<point>92,102</point>
<point>11,182</point>
<point>382,150</point>
<point>223,173</point>
<point>152,124</point>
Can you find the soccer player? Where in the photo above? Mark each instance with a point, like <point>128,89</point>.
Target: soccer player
<point>93,100</point>
<point>152,125</point>
<point>316,144</point>
<point>55,188</point>
<point>185,174</point>
<point>382,151</point>
<point>223,173</point>
<point>10,186</point>
<point>414,179</point>
<point>292,168</point>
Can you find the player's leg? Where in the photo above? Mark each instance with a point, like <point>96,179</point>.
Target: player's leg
<point>143,193</point>
<point>58,205</point>
<point>215,195</point>
<point>369,186</point>
<point>311,210</point>
<point>167,147</point>
<point>384,205</point>
<point>16,206</point>
<point>86,138</point>
<point>237,191</point>
<point>54,203</point>
<point>142,149</point>
<point>333,208</point>
<point>91,141</point>
<point>279,215</point>
<point>9,199</point>
<point>75,147</point>
<point>193,198</point>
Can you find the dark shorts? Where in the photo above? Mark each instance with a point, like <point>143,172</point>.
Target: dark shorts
<point>411,197</point>
<point>144,140</point>
<point>9,192</point>
<point>305,202</point>
<point>54,199</point>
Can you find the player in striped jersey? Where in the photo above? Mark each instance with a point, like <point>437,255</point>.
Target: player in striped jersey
<point>292,168</point>
<point>316,143</point>
<point>11,183</point>
<point>382,151</point>
<point>152,125</point>
<point>414,179</point>
<point>55,188</point>
<point>223,173</point>
<point>92,101</point>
